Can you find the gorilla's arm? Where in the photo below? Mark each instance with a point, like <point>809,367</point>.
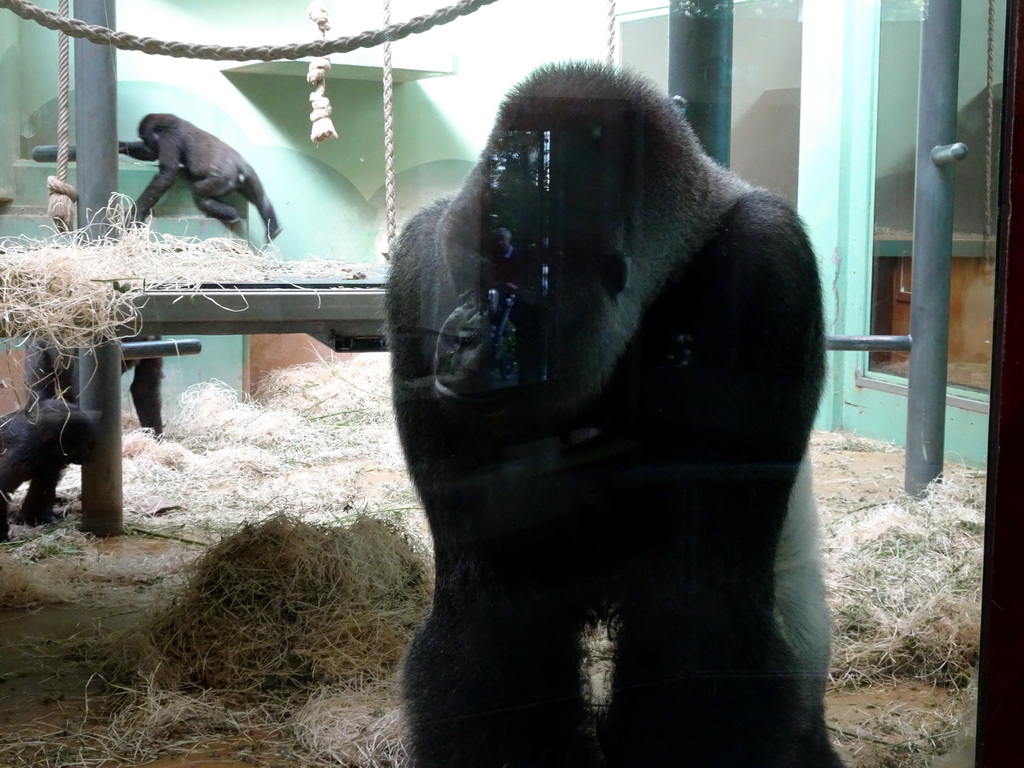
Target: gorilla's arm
<point>419,297</point>
<point>166,145</point>
<point>745,386</point>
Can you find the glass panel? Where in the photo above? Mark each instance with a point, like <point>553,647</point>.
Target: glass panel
<point>765,84</point>
<point>766,94</point>
<point>980,103</point>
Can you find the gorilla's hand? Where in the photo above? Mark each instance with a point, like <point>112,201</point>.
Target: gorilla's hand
<point>465,352</point>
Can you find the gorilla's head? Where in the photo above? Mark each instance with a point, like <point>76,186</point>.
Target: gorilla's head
<point>583,173</point>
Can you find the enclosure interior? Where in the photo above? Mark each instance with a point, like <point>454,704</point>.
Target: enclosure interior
<point>823,111</point>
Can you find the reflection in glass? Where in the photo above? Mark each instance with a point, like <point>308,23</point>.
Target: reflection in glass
<point>980,103</point>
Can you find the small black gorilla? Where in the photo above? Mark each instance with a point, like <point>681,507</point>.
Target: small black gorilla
<point>36,445</point>
<point>51,373</point>
<point>212,167</point>
<point>641,467</point>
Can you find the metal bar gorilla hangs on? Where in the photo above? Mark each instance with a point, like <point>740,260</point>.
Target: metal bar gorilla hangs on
<point>932,245</point>
<point>100,368</point>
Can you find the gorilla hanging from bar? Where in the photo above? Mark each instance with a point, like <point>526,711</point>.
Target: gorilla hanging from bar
<point>618,435</point>
<point>212,167</point>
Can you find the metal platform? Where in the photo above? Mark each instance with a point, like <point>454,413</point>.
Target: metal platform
<point>347,314</point>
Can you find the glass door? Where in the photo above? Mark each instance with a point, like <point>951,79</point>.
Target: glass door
<point>979,108</point>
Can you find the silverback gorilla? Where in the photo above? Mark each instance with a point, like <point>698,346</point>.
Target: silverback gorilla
<point>641,465</point>
<point>212,167</point>
<point>36,445</point>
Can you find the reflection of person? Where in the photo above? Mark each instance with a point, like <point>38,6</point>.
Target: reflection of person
<point>501,283</point>
<point>504,262</point>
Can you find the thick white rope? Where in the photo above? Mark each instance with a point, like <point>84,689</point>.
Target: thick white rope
<point>63,196</point>
<point>611,33</point>
<point>126,42</point>
<point>389,136</point>
<point>990,100</point>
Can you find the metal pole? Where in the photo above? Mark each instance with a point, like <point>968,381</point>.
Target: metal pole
<point>95,119</point>
<point>933,244</point>
<point>140,350</point>
<point>99,376</point>
<point>99,369</point>
<point>700,69</point>
<point>867,343</point>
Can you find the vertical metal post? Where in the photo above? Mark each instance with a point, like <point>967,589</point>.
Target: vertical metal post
<point>700,69</point>
<point>99,369</point>
<point>96,119</point>
<point>932,245</point>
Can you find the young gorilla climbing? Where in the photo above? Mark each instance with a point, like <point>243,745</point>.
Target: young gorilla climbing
<point>212,167</point>
<point>643,466</point>
<point>36,445</point>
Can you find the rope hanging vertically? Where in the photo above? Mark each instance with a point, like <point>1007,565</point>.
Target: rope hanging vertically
<point>611,33</point>
<point>389,136</point>
<point>987,239</point>
<point>63,196</point>
<point>316,76</point>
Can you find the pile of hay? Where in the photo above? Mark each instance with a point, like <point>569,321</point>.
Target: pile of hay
<point>284,614</point>
<point>283,637</point>
<point>284,605</point>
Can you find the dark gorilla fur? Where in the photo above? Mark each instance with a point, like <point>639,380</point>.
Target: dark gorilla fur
<point>213,168</point>
<point>51,373</point>
<point>647,473</point>
<point>36,446</point>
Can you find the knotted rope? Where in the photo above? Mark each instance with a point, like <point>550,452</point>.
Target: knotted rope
<point>323,128</point>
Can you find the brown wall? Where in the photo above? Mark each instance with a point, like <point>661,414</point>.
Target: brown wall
<point>269,352</point>
<point>12,380</point>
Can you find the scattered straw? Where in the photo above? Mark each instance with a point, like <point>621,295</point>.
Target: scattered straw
<point>907,727</point>
<point>26,585</point>
<point>268,620</point>
<point>356,392</point>
<point>905,581</point>
<point>279,645</point>
<point>71,292</point>
<point>351,732</point>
